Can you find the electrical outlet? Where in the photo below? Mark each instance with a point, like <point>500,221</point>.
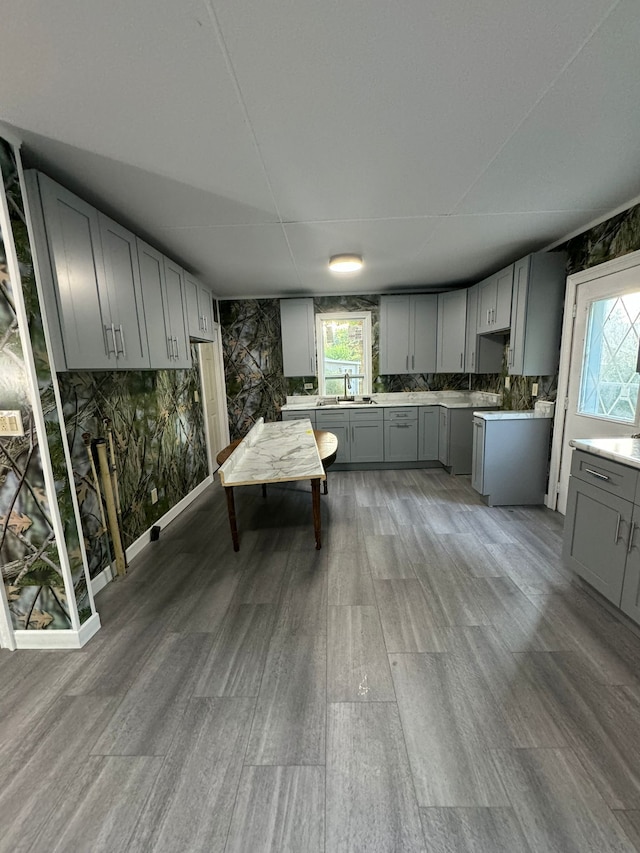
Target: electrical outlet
<point>534,389</point>
<point>154,496</point>
<point>308,386</point>
<point>196,397</point>
<point>11,423</point>
<point>507,383</point>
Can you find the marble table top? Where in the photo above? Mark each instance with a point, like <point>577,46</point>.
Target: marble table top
<point>274,453</point>
<point>624,450</point>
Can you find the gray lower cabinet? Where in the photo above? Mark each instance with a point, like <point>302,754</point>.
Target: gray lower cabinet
<point>455,439</point>
<point>601,542</point>
<point>367,435</point>
<point>299,415</point>
<point>401,434</point>
<point>337,422</point>
<point>510,456</point>
<point>428,431</point>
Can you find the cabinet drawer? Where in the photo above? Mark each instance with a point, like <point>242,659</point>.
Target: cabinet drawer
<point>404,413</point>
<point>299,415</point>
<point>333,416</point>
<point>610,476</point>
<point>357,416</point>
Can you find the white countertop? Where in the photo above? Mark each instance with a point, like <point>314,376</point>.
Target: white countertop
<point>274,453</point>
<point>448,399</point>
<point>624,450</point>
<point>512,416</point>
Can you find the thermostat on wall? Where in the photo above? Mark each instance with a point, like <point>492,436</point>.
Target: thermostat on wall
<point>11,423</point>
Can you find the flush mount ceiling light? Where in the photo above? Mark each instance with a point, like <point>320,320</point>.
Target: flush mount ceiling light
<point>345,263</point>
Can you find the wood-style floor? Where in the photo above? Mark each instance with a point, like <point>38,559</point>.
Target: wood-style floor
<point>431,680</point>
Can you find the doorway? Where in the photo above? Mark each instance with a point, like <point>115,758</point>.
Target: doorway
<point>599,381</point>
<point>214,399</point>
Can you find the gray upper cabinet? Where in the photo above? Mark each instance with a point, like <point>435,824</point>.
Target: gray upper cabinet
<point>536,314</point>
<point>198,309</point>
<point>298,337</point>
<point>79,282</point>
<point>494,302</point>
<point>483,353</point>
<point>452,331</point>
<point>408,334</point>
<point>162,283</point>
<point>128,330</point>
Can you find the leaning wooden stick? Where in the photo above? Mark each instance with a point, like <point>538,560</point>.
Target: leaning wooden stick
<point>101,447</point>
<point>114,474</point>
<point>86,437</point>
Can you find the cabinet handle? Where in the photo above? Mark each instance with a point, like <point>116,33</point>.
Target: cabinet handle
<point>206,323</point>
<point>108,329</point>
<point>488,316</point>
<point>461,358</point>
<point>473,359</point>
<point>407,363</point>
<point>402,426</point>
<point>413,362</point>
<point>353,434</point>
<point>617,536</point>
<point>169,347</point>
<point>177,351</point>
<point>631,532</point>
<point>595,473</point>
<point>122,351</point>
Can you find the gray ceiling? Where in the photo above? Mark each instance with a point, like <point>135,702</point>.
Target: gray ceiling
<point>252,140</point>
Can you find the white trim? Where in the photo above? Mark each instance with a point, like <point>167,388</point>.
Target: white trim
<point>101,580</point>
<point>64,639</point>
<point>632,259</point>
<point>9,134</point>
<point>143,540</point>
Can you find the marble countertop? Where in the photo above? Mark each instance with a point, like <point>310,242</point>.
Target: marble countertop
<point>624,450</point>
<point>448,399</point>
<point>274,453</point>
<point>512,416</point>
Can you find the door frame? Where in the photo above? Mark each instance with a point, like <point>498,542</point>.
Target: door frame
<point>221,391</point>
<point>625,262</point>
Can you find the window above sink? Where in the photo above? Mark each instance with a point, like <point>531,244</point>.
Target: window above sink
<point>344,355</point>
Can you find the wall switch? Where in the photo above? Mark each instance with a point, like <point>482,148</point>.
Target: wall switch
<point>308,386</point>
<point>11,422</point>
<point>154,496</point>
<point>507,383</point>
<point>534,389</point>
<point>196,397</point>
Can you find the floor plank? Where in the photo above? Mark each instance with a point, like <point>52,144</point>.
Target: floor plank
<point>279,810</point>
<point>357,663</point>
<point>371,803</point>
<point>472,831</point>
<point>408,621</point>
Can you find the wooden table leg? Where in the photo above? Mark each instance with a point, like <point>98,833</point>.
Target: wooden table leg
<point>264,490</point>
<point>231,507</point>
<point>326,481</point>
<point>315,499</point>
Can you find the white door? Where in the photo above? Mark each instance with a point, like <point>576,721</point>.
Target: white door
<point>602,384</point>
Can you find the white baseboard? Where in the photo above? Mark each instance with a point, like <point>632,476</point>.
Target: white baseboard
<point>63,639</point>
<point>142,541</point>
<point>101,580</point>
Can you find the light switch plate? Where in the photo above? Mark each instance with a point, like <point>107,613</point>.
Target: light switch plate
<point>154,496</point>
<point>534,389</point>
<point>11,422</point>
<point>507,383</point>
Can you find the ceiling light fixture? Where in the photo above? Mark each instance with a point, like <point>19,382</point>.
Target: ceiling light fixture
<point>345,263</point>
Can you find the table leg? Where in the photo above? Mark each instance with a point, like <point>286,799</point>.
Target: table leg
<point>264,490</point>
<point>326,486</point>
<point>231,507</point>
<point>315,499</point>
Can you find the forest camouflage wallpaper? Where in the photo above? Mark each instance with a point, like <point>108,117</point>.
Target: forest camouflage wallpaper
<point>253,352</point>
<point>28,551</point>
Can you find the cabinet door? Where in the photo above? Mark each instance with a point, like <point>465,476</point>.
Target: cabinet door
<point>477,470</point>
<point>156,312</point>
<point>470,348</point>
<point>174,281</point>
<point>122,274</point>
<point>298,337</point>
<point>631,587</point>
<point>487,296</point>
<point>400,441</point>
<point>452,322</point>
<point>300,415</point>
<point>73,234</point>
<point>193,312</point>
<point>340,428</point>
<point>504,288</point>
<point>515,354</point>
<point>596,530</point>
<point>367,441</point>
<point>205,306</point>
<point>423,327</point>
<point>443,437</point>
<point>394,334</point>
<point>428,430</point>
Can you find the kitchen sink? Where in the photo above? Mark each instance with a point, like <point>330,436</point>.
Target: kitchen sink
<point>334,402</point>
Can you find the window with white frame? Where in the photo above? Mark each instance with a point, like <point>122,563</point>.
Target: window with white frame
<point>344,353</point>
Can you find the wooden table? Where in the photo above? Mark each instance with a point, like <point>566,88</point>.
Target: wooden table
<point>273,453</point>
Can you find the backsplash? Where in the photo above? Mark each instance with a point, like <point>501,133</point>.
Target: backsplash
<point>159,439</point>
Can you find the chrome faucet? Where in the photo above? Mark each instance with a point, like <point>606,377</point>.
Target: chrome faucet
<point>347,386</point>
